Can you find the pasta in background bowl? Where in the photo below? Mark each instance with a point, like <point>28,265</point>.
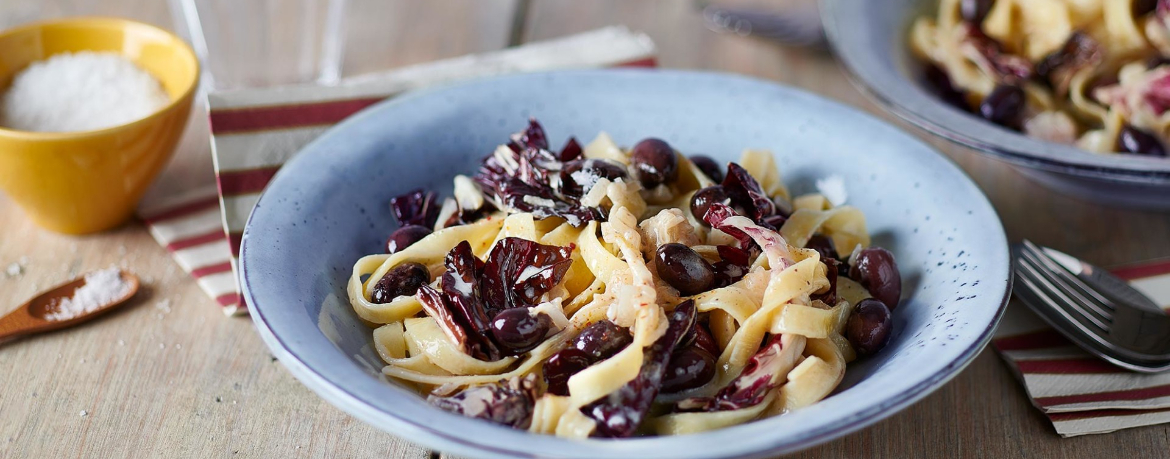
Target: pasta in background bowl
<point>328,208</point>
<point>1075,76</point>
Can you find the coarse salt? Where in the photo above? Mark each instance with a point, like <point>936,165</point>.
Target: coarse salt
<point>80,91</point>
<point>101,287</point>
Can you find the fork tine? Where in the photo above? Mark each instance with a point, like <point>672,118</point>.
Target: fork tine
<point>1091,335</point>
<point>1050,287</point>
<point>1068,283</point>
<point>1050,310</point>
<point>1071,278</point>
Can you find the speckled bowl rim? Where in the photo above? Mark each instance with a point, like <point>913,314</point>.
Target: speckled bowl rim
<point>730,446</point>
<point>854,31</point>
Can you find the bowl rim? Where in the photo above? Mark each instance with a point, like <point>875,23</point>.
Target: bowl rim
<point>868,62</point>
<point>116,23</point>
<point>438,438</point>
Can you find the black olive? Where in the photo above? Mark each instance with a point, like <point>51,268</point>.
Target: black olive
<point>868,328</point>
<point>684,269</point>
<point>602,339</point>
<point>518,331</point>
<point>1004,106</point>
<point>703,199</point>
<point>578,177</point>
<point>406,236</point>
<point>823,245</point>
<point>1137,141</point>
<point>875,269</point>
<point>701,337</point>
<point>402,280</point>
<point>709,167</point>
<point>563,365</point>
<point>941,83</point>
<point>654,162</point>
<point>689,368</point>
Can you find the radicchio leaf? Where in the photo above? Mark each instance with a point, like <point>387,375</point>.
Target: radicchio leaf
<point>461,288</point>
<point>464,216</point>
<point>541,202</point>
<point>417,207</point>
<point>715,216</point>
<point>619,413</point>
<point>519,178</point>
<point>745,192</point>
<point>509,403</point>
<point>749,388</point>
<point>533,137</point>
<point>733,265</point>
<point>989,55</point>
<point>572,150</point>
<point>519,271</point>
<point>436,307</point>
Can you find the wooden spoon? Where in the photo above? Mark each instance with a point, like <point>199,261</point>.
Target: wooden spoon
<point>30,318</point>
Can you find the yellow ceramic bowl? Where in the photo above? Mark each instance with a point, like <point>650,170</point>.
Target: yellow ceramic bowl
<point>83,182</point>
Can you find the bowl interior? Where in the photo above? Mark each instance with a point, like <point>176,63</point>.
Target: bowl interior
<point>871,39</point>
<point>161,53</point>
<point>328,207</point>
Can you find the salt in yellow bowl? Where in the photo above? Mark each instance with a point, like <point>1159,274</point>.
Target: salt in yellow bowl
<point>83,182</point>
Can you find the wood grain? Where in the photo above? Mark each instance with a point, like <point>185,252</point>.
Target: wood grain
<point>169,376</point>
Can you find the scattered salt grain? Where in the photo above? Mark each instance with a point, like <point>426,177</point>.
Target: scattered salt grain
<point>14,269</point>
<point>80,91</point>
<point>178,346</point>
<point>162,346</point>
<point>101,287</point>
<point>84,413</point>
<point>164,306</point>
<point>833,189</point>
<point>121,342</point>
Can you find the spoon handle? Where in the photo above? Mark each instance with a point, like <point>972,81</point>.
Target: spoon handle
<point>18,323</point>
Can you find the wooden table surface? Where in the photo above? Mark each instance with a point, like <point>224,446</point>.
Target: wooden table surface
<point>170,376</point>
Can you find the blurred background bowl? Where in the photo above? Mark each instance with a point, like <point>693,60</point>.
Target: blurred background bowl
<point>872,40</point>
<point>83,182</point>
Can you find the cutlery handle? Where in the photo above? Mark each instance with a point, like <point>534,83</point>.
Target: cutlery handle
<point>16,324</point>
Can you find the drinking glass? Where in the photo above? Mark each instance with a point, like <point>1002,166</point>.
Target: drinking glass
<point>253,43</point>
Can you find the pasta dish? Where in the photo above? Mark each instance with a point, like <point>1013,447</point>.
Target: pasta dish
<point>1089,73</point>
<point>598,291</point>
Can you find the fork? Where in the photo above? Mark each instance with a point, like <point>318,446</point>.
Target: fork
<point>1097,311</point>
<point>793,26</point>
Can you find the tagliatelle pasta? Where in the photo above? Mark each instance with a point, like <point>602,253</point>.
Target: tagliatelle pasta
<point>1090,73</point>
<point>605,292</point>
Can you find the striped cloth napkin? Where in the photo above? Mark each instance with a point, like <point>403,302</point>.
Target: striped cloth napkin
<point>1080,393</point>
<point>255,131</point>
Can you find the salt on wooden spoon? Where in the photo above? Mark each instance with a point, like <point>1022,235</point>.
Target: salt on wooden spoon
<point>70,303</point>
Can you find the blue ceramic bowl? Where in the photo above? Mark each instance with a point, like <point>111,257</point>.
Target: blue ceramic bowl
<point>328,207</point>
<point>872,39</point>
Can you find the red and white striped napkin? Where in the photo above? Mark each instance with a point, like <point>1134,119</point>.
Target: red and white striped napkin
<point>255,131</point>
<point>1080,393</point>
